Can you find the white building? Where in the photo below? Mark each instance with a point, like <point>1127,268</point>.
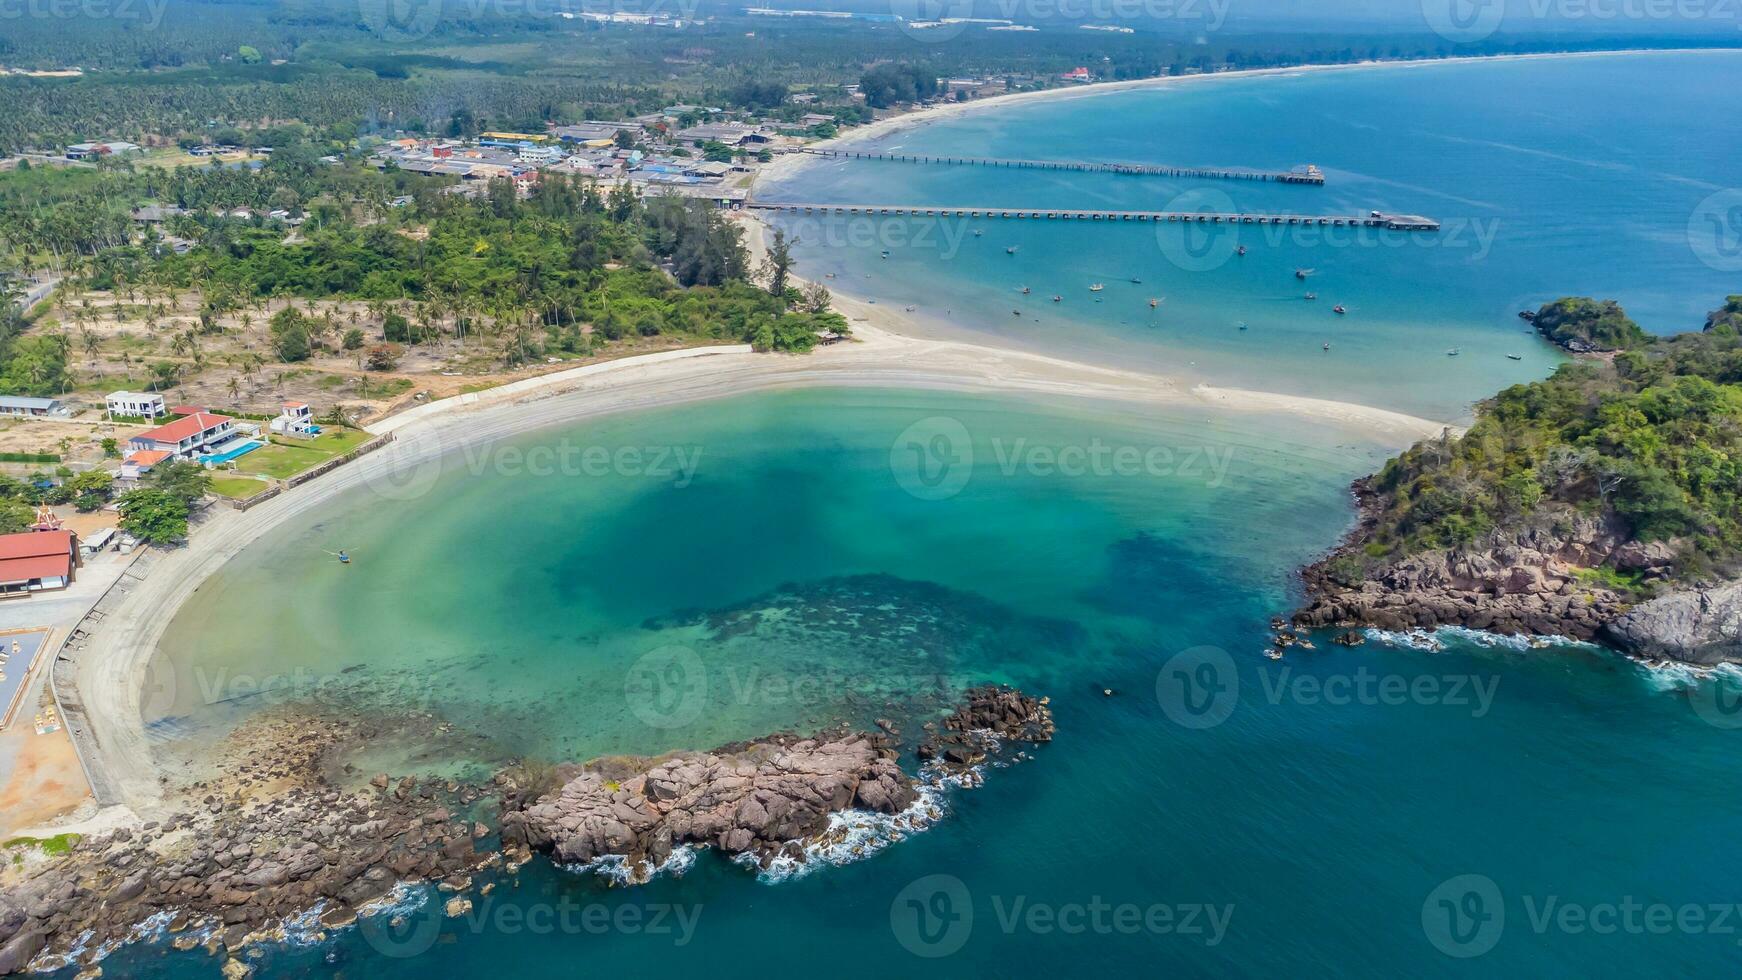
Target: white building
<point>141,403</point>
<point>296,419</point>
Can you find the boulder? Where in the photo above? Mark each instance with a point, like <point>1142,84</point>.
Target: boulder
<point>1697,626</point>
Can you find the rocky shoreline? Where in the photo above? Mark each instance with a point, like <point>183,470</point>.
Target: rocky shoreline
<point>275,838</point>
<point>762,801</point>
<point>1527,582</point>
<point>270,841</point>
<point>1522,583</point>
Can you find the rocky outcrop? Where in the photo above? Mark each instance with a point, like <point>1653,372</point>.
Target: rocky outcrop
<point>754,798</point>
<point>991,716</point>
<point>1698,626</point>
<point>1523,581</point>
<point>256,849</point>
<point>763,798</point>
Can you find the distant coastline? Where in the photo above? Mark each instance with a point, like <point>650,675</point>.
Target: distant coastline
<point>790,164</point>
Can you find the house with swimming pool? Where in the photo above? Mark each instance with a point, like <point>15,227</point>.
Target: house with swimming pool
<point>204,437</point>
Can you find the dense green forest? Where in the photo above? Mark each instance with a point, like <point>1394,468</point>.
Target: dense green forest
<point>202,66</point>
<point>1650,437</point>
<point>558,272</point>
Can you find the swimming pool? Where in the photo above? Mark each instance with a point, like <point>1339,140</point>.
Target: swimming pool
<point>216,459</point>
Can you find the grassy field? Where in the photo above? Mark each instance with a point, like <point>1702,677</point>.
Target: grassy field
<point>237,487</point>
<point>285,458</point>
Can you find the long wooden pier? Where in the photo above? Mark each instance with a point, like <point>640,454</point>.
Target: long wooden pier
<point>1306,175</point>
<point>1373,219</point>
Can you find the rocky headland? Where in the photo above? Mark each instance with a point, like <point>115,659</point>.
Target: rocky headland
<point>1594,504</point>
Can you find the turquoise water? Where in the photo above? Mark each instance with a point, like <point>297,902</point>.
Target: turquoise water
<point>1550,177</point>
<point>690,576</point>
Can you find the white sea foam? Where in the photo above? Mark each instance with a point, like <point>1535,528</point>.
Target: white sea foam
<point>404,898</point>
<point>617,868</point>
<point>1434,640</point>
<point>1674,675</point>
<point>854,835</point>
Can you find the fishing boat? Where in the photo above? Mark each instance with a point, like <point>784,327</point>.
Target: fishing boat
<point>1097,287</point>
<point>1339,308</point>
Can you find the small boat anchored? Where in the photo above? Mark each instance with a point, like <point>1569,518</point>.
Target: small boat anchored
<point>1312,295</point>
<point>1097,287</point>
<point>1025,290</point>
<point>1056,298</point>
<point>1515,357</point>
<point>1011,249</point>
<point>1339,309</point>
<point>1453,352</point>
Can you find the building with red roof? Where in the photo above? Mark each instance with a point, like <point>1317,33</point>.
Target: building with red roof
<point>187,437</point>
<point>32,561</point>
